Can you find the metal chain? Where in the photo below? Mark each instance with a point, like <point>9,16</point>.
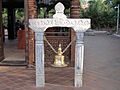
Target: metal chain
<point>68,45</point>
<point>50,45</point>
<point>64,49</point>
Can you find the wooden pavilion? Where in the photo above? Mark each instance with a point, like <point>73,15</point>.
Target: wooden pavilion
<point>55,35</point>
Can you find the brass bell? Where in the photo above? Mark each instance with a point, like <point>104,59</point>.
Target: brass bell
<point>59,59</point>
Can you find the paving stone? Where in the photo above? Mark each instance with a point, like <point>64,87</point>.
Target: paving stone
<point>101,69</point>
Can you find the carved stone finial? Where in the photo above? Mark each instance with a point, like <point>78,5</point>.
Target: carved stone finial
<point>59,9</point>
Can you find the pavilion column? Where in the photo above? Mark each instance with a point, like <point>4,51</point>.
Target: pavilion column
<point>75,9</point>
<point>74,13</point>
<point>11,21</point>
<point>1,34</point>
<point>79,57</point>
<point>39,57</point>
<point>32,13</point>
<point>26,29</point>
<point>77,49</point>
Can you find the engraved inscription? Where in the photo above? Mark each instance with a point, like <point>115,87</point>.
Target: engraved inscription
<point>84,23</point>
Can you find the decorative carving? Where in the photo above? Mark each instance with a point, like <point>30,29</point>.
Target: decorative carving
<point>80,25</point>
<point>59,8</point>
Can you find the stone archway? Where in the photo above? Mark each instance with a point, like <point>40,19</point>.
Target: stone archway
<point>59,20</point>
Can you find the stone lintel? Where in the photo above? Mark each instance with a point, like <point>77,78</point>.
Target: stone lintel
<point>80,25</point>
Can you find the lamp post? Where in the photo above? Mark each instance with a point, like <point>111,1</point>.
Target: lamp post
<point>117,28</point>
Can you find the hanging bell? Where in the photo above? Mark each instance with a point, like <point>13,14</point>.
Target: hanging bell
<point>59,59</point>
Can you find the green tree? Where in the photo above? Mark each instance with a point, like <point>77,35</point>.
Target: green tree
<point>4,17</point>
<point>102,14</point>
<point>115,2</point>
<point>19,14</point>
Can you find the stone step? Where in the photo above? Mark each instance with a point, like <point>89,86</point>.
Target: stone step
<point>13,63</point>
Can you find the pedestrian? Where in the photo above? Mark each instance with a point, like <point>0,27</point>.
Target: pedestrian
<point>17,27</point>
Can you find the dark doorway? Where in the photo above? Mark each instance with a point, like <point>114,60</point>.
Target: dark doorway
<point>11,12</point>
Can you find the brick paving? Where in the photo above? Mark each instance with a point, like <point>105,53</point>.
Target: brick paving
<point>101,69</point>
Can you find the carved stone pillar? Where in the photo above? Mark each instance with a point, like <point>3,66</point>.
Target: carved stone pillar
<point>79,56</point>
<point>32,13</point>
<point>39,57</point>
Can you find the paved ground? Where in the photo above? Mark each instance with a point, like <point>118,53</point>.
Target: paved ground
<point>13,52</point>
<point>13,55</point>
<point>101,69</point>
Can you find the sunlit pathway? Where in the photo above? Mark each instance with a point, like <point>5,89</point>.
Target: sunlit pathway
<point>101,69</point>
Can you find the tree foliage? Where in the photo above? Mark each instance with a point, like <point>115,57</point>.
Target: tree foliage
<point>115,2</point>
<point>47,9</point>
<point>4,17</point>
<point>101,12</point>
<point>19,14</point>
